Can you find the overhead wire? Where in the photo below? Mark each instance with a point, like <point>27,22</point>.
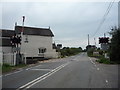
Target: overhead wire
<point>102,21</point>
<point>104,17</point>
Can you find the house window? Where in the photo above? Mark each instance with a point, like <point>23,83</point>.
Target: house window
<point>42,50</point>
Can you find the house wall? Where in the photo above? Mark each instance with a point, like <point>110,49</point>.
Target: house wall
<point>31,49</point>
<point>7,49</point>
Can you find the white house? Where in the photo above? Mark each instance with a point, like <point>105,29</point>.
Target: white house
<point>35,43</point>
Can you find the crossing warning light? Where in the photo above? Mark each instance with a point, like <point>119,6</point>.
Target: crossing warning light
<point>103,40</point>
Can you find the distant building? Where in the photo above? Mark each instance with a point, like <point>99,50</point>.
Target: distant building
<point>90,47</point>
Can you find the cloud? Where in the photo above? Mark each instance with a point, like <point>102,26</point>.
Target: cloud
<point>69,21</point>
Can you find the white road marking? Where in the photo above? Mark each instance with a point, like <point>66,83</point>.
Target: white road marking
<point>106,81</point>
<point>94,64</point>
<point>0,75</point>
<point>13,73</point>
<point>89,58</point>
<point>48,75</point>
<point>33,67</point>
<point>28,85</point>
<point>92,61</point>
<point>41,69</point>
<point>19,71</point>
<point>98,69</point>
<point>75,60</point>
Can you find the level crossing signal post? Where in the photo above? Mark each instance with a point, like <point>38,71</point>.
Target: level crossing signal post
<point>16,42</point>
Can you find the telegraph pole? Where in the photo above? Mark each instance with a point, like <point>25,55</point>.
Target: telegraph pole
<point>118,15</point>
<point>95,41</point>
<point>88,40</point>
<point>104,35</point>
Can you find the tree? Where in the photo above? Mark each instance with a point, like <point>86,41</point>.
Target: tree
<point>67,51</point>
<point>115,45</point>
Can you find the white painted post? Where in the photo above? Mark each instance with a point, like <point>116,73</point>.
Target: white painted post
<point>14,59</point>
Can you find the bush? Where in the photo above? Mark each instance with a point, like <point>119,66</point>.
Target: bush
<point>66,51</point>
<point>115,45</point>
<point>90,52</point>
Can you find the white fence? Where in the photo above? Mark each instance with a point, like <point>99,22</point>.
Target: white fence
<point>1,57</point>
<point>9,58</point>
<point>13,58</point>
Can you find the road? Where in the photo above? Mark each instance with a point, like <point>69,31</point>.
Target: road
<point>79,71</point>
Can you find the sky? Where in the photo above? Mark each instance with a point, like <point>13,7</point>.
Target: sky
<point>70,22</point>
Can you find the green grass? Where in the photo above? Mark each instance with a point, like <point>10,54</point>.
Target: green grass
<point>8,68</point>
<point>104,60</point>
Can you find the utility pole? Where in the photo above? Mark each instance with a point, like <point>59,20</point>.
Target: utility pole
<point>118,15</point>
<point>88,40</point>
<point>95,41</point>
<point>104,35</point>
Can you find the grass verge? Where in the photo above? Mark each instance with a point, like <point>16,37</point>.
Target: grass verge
<point>8,68</point>
<point>102,59</point>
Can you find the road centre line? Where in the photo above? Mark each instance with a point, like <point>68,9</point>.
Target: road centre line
<point>31,83</point>
<point>46,76</point>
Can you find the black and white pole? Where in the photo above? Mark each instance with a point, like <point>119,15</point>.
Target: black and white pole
<point>22,35</point>
<point>22,25</point>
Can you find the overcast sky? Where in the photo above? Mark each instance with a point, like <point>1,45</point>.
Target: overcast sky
<point>70,22</point>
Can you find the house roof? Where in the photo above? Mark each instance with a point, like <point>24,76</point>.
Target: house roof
<point>34,31</point>
<point>5,37</point>
<point>6,33</point>
<point>5,42</point>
